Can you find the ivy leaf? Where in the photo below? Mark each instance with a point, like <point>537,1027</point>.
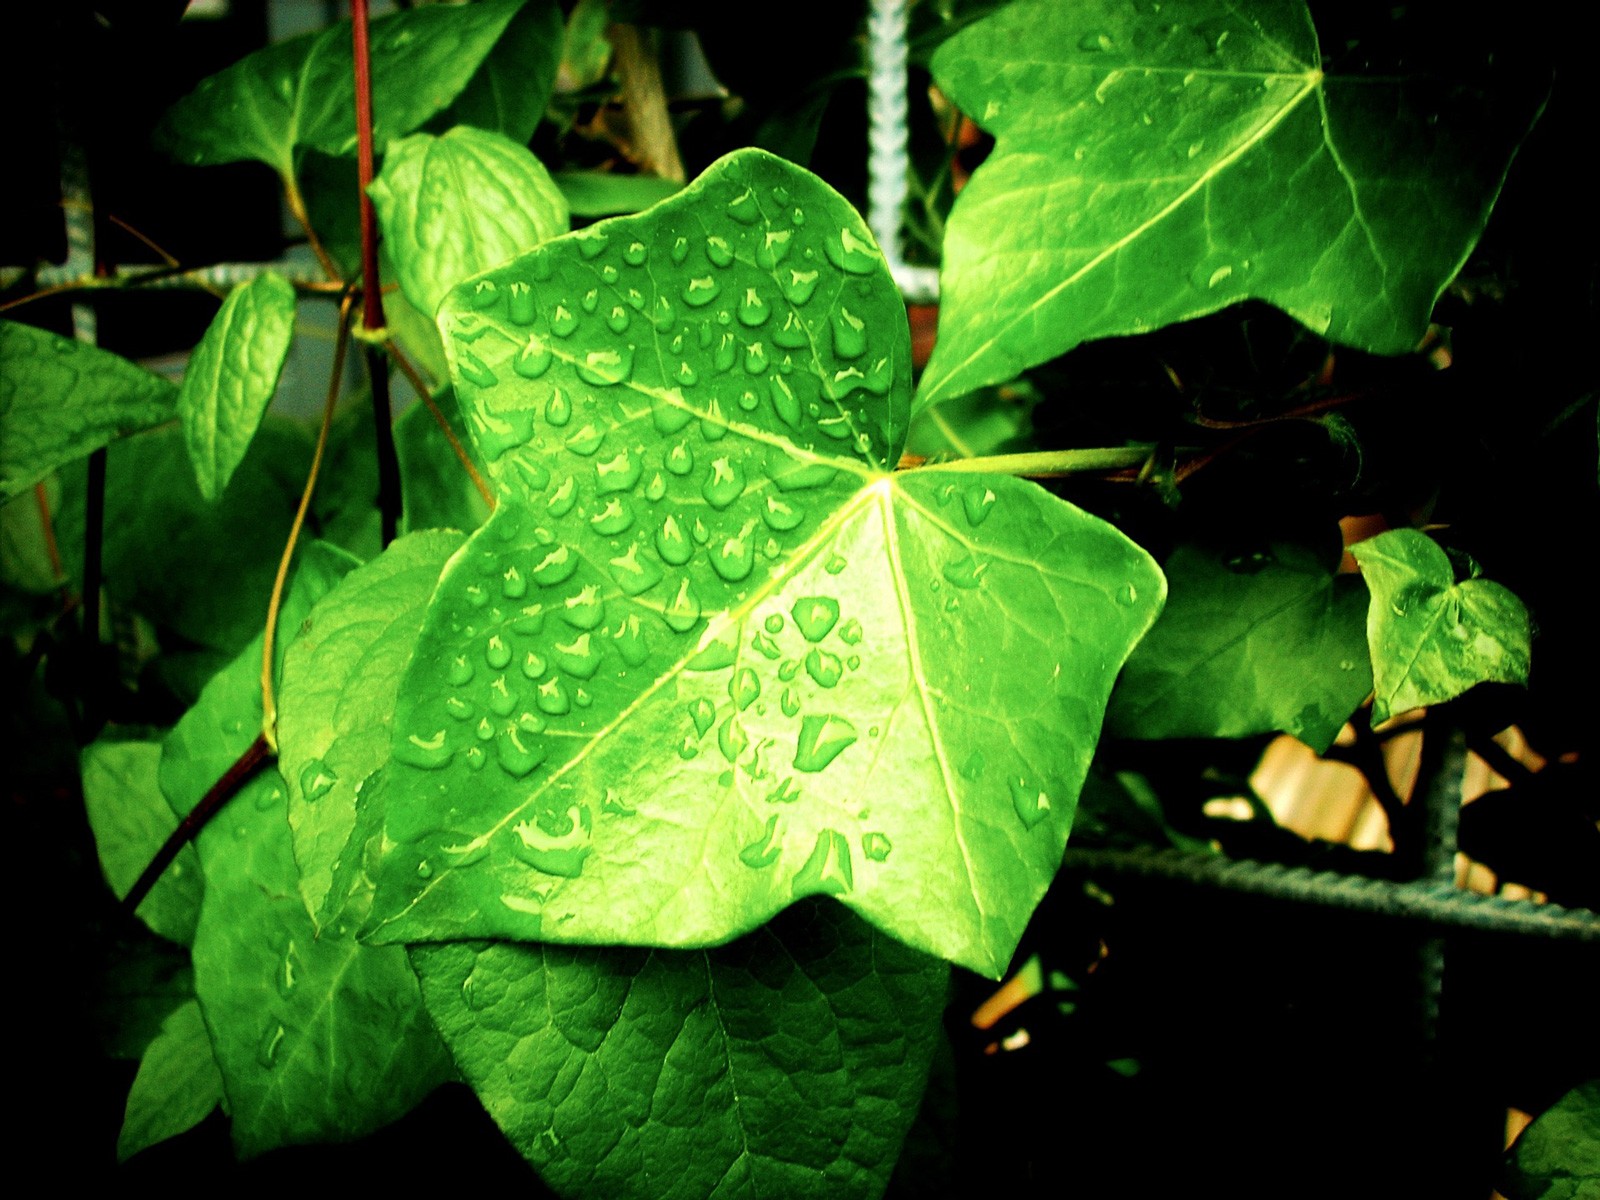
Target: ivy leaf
<point>789,1063</point>
<point>61,399</point>
<point>231,377</point>
<point>1432,638</point>
<point>318,1038</point>
<point>603,194</point>
<point>709,656</point>
<point>131,820</point>
<point>455,205</point>
<point>512,87</point>
<point>168,552</point>
<point>340,676</point>
<point>1557,1157</point>
<point>1251,641</point>
<point>177,1086</point>
<point>1151,166</point>
<point>299,92</point>
<point>435,489</point>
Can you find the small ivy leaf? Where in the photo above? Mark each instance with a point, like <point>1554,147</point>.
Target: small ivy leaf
<point>455,205</point>
<point>434,487</point>
<point>61,399</point>
<point>512,87</point>
<point>318,1038</point>
<point>1155,165</point>
<point>1557,1157</point>
<point>177,1086</point>
<point>836,680</point>
<point>337,697</point>
<point>231,377</point>
<point>298,92</point>
<point>602,1064</point>
<point>1430,637</point>
<point>603,194</point>
<point>1255,641</point>
<point>131,820</point>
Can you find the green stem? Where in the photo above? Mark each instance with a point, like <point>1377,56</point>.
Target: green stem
<point>297,207</point>
<point>1045,463</point>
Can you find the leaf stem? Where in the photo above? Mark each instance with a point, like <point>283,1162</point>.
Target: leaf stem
<point>371,292</point>
<point>47,530</point>
<point>297,208</point>
<point>269,706</point>
<point>371,295</point>
<point>1042,464</point>
<point>423,390</point>
<point>223,790</point>
<point>383,434</point>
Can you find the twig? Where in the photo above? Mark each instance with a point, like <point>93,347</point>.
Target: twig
<point>223,790</point>
<point>297,208</point>
<point>420,385</point>
<point>371,293</point>
<point>269,705</point>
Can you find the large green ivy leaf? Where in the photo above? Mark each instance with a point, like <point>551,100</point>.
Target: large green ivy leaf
<point>300,92</point>
<point>338,695</point>
<point>789,1063</point>
<point>709,655</point>
<point>61,399</point>
<point>1558,1156</point>
<point>318,1037</point>
<point>231,377</point>
<point>455,205</point>
<point>177,1086</point>
<point>131,820</point>
<point>1252,640</point>
<point>510,90</point>
<point>1430,637</point>
<point>202,570</point>
<point>1154,163</point>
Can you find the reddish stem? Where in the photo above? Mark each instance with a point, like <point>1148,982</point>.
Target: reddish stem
<point>223,790</point>
<point>371,291</point>
<point>372,296</point>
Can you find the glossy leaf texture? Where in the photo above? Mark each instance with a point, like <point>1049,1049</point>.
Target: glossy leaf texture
<point>789,1063</point>
<point>709,656</point>
<point>231,377</point>
<point>177,1086</point>
<point>298,92</point>
<point>131,819</point>
<point>511,88</point>
<point>1157,162</point>
<point>319,1038</point>
<point>337,698</point>
<point>61,399</point>
<point>1432,638</point>
<point>1253,640</point>
<point>455,205</point>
